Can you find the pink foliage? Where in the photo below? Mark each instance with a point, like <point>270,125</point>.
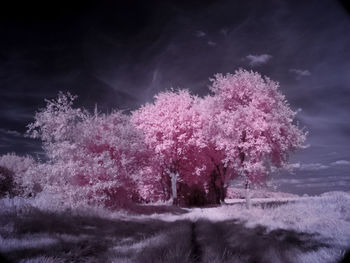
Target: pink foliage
<point>100,156</point>
<point>243,128</point>
<point>172,129</point>
<point>253,124</point>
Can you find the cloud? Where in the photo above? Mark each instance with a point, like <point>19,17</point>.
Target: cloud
<point>257,60</point>
<point>200,33</point>
<point>10,132</point>
<point>211,43</point>
<point>308,166</point>
<point>289,181</point>
<point>324,184</point>
<point>224,31</point>
<point>311,180</point>
<point>300,73</point>
<point>313,167</point>
<point>337,177</point>
<point>341,162</point>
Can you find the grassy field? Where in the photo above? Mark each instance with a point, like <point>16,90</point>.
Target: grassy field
<point>315,229</point>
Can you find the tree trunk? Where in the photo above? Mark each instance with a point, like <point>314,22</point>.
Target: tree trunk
<point>223,194</point>
<point>165,183</point>
<point>174,177</point>
<point>215,188</point>
<point>247,195</point>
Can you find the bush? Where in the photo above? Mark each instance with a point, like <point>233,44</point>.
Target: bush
<point>19,175</point>
<point>6,182</point>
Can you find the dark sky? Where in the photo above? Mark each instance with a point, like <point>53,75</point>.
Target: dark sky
<point>119,55</point>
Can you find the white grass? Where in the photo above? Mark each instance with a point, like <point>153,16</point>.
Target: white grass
<point>304,229</point>
<point>27,242</point>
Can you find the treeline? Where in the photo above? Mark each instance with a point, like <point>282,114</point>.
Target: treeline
<point>180,147</point>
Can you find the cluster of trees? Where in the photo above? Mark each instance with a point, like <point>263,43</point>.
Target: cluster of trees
<point>181,146</point>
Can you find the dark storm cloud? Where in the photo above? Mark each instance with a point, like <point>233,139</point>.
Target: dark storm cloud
<point>121,55</point>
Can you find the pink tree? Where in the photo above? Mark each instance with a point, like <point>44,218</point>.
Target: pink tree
<point>97,158</point>
<point>253,124</point>
<point>219,173</point>
<point>172,129</point>
<point>120,150</point>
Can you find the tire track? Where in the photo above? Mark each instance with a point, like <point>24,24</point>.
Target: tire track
<point>196,252</point>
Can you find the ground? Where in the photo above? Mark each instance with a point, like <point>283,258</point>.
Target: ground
<point>312,229</point>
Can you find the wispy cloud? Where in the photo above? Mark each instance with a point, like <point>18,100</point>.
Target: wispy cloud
<point>324,184</point>
<point>200,33</point>
<point>300,73</point>
<point>224,31</point>
<point>341,162</point>
<point>11,132</point>
<point>211,43</point>
<point>308,166</point>
<point>289,181</point>
<point>257,60</point>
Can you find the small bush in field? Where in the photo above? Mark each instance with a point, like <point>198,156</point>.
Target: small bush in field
<point>24,174</point>
<point>6,182</point>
